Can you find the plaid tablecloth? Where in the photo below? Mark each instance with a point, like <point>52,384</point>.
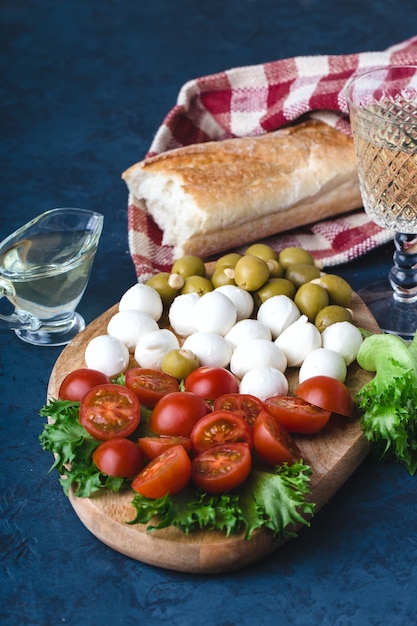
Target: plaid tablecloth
<point>253,100</point>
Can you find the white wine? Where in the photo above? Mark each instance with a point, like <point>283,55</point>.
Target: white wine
<point>387,164</point>
<point>49,273</point>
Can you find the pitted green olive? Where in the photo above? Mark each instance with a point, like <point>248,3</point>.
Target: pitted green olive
<point>222,276</point>
<point>263,251</point>
<point>189,265</point>
<point>310,299</point>
<point>330,315</point>
<point>197,284</point>
<point>293,256</point>
<point>301,273</point>
<point>160,282</point>
<point>275,287</point>
<point>228,260</point>
<point>179,363</point>
<point>339,290</point>
<point>251,272</point>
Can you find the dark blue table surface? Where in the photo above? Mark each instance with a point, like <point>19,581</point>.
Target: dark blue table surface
<point>84,86</point>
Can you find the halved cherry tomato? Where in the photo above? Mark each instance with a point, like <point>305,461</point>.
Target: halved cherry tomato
<point>244,404</point>
<point>119,457</point>
<point>328,393</point>
<point>272,442</point>
<point>297,415</point>
<point>176,413</point>
<point>218,428</point>
<point>154,446</point>
<point>150,385</point>
<point>109,411</point>
<point>221,468</point>
<point>211,382</point>
<point>76,384</point>
<point>169,473</point>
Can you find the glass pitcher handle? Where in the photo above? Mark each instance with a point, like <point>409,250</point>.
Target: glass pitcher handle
<point>18,319</point>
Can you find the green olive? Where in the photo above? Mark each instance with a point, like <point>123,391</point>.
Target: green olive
<point>330,315</point>
<point>339,290</point>
<point>275,287</point>
<point>197,284</point>
<point>251,272</point>
<point>222,277</point>
<point>189,265</point>
<point>228,260</point>
<point>301,273</point>
<point>263,251</point>
<point>310,299</point>
<point>275,268</point>
<point>160,282</point>
<point>179,363</point>
<point>293,255</point>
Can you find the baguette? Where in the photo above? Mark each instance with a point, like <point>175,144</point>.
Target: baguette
<point>207,198</point>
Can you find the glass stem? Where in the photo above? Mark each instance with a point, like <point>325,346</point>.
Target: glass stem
<point>403,274</point>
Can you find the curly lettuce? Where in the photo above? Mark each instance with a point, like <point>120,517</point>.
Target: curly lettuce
<point>388,402</point>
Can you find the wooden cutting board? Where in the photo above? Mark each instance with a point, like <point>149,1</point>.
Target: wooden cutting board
<point>334,454</point>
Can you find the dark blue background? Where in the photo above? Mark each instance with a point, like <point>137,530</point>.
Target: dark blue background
<point>84,86</point>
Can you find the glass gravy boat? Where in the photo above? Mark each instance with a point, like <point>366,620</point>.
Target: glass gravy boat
<point>44,269</point>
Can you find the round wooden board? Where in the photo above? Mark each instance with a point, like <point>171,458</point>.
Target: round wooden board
<point>334,454</point>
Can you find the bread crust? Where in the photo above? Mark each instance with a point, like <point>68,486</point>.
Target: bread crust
<point>210,197</point>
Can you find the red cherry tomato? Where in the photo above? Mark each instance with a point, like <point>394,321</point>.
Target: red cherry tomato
<point>217,428</point>
<point>78,382</point>
<point>119,457</point>
<point>176,413</point>
<point>221,468</point>
<point>150,385</point>
<point>272,442</point>
<point>244,404</point>
<point>211,382</point>
<point>109,411</point>
<point>328,393</point>
<point>297,415</point>
<point>169,473</point>
<point>154,446</point>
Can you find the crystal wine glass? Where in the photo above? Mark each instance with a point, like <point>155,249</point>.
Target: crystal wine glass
<point>383,115</point>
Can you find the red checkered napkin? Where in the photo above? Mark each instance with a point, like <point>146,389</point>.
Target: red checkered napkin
<point>253,100</point>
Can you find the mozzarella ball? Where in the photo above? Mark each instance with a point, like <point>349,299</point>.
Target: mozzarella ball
<point>256,353</point>
<point>264,382</point>
<point>241,298</point>
<point>181,314</point>
<point>144,298</point>
<point>323,362</point>
<point>107,354</point>
<point>277,313</point>
<point>214,313</point>
<point>246,330</point>
<point>344,338</point>
<point>298,340</point>
<point>210,348</point>
<point>152,348</point>
<point>130,326</point>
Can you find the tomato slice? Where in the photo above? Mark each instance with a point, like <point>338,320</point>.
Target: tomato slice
<point>119,457</point>
<point>211,382</point>
<point>221,468</point>
<point>154,446</point>
<point>150,385</point>
<point>272,442</point>
<point>176,413</point>
<point>109,411</point>
<point>328,393</point>
<point>244,404</point>
<point>76,384</point>
<point>218,428</point>
<point>297,415</point>
<point>168,473</point>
